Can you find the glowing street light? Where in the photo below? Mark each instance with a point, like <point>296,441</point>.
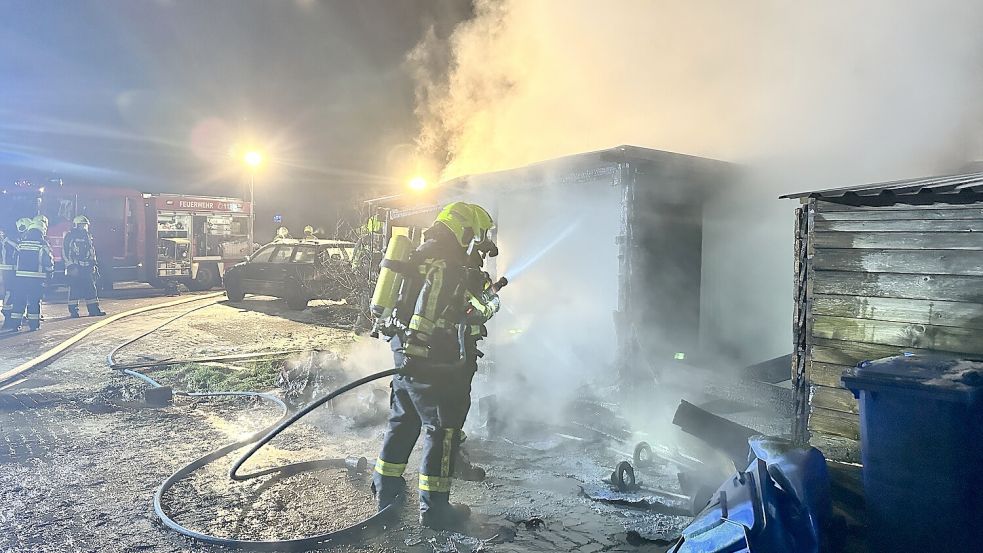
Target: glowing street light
<point>253,158</point>
<point>417,183</point>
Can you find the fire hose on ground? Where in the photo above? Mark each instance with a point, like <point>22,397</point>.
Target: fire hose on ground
<point>258,440</point>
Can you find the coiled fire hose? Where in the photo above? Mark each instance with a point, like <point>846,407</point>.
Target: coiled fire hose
<point>258,440</point>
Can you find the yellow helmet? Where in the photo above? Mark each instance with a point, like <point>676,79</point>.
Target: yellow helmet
<point>40,219</point>
<point>37,225</point>
<point>80,220</point>
<point>23,223</point>
<point>308,229</point>
<point>459,218</point>
<point>469,223</point>
<point>483,227</point>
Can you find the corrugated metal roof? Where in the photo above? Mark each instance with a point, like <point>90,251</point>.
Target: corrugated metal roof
<point>961,188</point>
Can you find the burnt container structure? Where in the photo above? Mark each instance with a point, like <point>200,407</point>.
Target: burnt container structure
<point>882,269</point>
<point>604,251</point>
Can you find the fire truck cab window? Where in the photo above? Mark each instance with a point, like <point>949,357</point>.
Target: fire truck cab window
<point>263,255</point>
<point>304,254</point>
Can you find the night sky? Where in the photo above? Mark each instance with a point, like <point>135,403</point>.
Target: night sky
<point>156,94</point>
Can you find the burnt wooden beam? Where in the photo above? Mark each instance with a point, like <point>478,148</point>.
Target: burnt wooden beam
<point>720,433</point>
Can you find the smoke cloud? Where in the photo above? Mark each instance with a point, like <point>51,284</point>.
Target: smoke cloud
<point>799,95</point>
<point>853,90</point>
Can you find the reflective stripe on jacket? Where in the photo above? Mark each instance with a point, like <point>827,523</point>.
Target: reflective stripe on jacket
<point>34,259</point>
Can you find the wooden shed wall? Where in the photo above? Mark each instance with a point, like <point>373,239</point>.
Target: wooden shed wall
<point>882,280</point>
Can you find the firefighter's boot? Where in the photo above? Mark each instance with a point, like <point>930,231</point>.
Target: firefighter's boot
<point>437,512</point>
<point>73,311</point>
<point>94,310</point>
<point>387,489</point>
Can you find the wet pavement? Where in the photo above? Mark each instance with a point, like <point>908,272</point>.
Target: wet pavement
<point>80,457</point>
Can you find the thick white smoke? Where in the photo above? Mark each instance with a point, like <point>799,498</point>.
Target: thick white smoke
<point>801,95</point>
<point>853,90</point>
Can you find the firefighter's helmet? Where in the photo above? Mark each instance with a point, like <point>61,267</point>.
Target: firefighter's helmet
<point>459,218</point>
<point>482,231</point>
<point>37,225</point>
<point>282,232</point>
<point>41,219</point>
<point>308,230</point>
<point>22,224</point>
<point>80,220</point>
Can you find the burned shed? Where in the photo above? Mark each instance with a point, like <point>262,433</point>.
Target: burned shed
<point>882,269</point>
<point>604,250</point>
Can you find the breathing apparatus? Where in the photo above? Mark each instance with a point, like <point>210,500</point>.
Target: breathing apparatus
<point>392,277</point>
<point>470,225</point>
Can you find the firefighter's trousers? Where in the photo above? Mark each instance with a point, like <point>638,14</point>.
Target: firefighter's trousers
<point>82,289</point>
<point>27,297</point>
<point>436,403</point>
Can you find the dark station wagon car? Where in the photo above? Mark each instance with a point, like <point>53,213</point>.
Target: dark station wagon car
<point>296,270</point>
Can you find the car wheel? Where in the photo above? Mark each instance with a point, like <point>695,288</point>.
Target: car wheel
<point>205,279</point>
<point>297,303</point>
<point>234,292</point>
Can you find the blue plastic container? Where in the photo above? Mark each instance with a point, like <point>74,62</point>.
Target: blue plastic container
<point>921,430</point>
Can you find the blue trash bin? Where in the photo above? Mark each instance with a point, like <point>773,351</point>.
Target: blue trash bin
<point>920,429</point>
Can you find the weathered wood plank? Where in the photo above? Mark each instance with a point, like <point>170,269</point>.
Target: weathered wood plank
<point>825,421</point>
<point>926,312</point>
<point>834,399</point>
<point>825,374</point>
<point>936,262</point>
<point>827,207</point>
<point>883,214</point>
<point>850,353</point>
<point>900,240</point>
<point>892,285</point>
<point>942,338</point>
<point>910,225</point>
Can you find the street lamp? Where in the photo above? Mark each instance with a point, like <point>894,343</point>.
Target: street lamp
<point>253,159</point>
<point>417,183</point>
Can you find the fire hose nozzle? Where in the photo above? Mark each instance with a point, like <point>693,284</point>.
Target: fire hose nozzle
<point>501,283</point>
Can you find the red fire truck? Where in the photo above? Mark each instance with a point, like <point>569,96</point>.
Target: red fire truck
<point>163,239</point>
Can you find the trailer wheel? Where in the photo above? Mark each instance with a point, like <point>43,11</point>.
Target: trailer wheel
<point>206,278</point>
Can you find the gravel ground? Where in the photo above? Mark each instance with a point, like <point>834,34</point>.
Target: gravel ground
<point>81,458</point>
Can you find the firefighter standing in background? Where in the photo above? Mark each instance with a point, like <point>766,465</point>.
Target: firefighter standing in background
<point>432,392</point>
<point>34,266</point>
<point>80,266</point>
<point>309,233</point>
<point>11,320</point>
<point>8,256</point>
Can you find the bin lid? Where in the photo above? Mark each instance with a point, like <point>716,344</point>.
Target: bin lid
<point>945,377</point>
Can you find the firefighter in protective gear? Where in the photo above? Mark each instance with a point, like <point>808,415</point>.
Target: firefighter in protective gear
<point>281,234</point>
<point>82,269</point>
<point>432,392</point>
<point>8,256</point>
<point>22,225</point>
<point>309,233</point>
<point>34,266</point>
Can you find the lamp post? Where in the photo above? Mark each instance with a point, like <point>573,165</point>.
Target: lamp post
<point>253,159</point>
